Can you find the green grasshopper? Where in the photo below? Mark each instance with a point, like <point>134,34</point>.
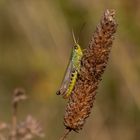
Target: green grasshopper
<point>72,70</point>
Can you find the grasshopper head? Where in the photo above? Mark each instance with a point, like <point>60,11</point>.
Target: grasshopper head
<point>77,47</point>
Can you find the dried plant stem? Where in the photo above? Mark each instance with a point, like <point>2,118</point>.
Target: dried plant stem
<point>65,134</point>
<point>14,121</point>
<point>93,64</point>
<point>18,95</point>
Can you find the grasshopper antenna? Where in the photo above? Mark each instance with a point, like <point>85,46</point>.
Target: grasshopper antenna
<point>73,36</point>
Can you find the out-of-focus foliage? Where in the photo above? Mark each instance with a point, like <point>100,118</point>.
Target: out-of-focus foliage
<point>35,45</point>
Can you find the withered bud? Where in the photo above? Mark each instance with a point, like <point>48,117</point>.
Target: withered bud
<point>19,95</point>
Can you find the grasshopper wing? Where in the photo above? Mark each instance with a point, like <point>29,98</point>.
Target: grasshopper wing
<point>66,80</point>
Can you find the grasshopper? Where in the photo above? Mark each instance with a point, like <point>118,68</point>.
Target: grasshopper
<point>72,71</point>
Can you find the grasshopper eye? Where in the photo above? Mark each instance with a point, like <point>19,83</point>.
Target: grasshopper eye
<point>75,47</point>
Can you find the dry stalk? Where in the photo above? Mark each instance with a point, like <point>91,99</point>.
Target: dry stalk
<point>93,64</point>
<point>19,95</point>
<point>65,134</point>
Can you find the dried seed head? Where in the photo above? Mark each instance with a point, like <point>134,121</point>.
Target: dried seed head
<point>30,128</point>
<point>93,64</point>
<point>19,95</point>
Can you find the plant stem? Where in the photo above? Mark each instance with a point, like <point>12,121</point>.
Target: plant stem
<point>65,134</point>
<point>14,121</point>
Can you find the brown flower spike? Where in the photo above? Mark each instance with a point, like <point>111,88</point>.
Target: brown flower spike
<point>93,64</point>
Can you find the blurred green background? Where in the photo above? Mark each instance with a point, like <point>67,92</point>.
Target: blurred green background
<point>35,45</point>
